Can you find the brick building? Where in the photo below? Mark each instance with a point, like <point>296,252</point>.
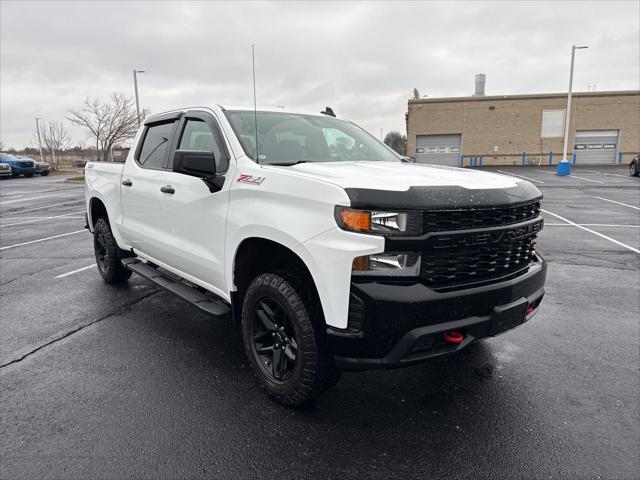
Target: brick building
<point>524,129</point>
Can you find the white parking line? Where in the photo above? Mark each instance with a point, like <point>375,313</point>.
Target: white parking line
<point>41,219</point>
<point>593,231</point>
<point>40,208</point>
<point>28,199</point>
<point>619,203</point>
<point>605,173</point>
<point>42,239</point>
<point>76,271</point>
<point>573,176</point>
<point>522,176</point>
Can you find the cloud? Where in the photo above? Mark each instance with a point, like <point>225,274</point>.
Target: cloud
<point>362,58</point>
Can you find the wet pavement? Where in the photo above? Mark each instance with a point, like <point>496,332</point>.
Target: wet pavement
<point>118,382</point>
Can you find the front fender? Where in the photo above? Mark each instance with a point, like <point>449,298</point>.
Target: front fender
<point>329,257</point>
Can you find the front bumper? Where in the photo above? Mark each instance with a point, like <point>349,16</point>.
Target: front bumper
<point>394,324</point>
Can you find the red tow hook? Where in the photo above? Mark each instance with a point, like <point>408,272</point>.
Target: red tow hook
<point>530,310</point>
<point>453,337</point>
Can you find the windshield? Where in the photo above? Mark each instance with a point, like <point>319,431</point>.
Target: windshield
<point>289,138</point>
<point>7,157</point>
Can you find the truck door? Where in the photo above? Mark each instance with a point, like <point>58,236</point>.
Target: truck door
<point>142,217</point>
<point>194,218</point>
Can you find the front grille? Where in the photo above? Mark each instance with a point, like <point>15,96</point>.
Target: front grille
<point>445,220</point>
<point>482,257</point>
<point>25,164</point>
<point>472,266</point>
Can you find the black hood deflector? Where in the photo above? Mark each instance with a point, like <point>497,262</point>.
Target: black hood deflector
<point>442,197</point>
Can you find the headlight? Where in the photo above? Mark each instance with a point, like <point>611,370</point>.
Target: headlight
<point>387,264</point>
<point>380,223</point>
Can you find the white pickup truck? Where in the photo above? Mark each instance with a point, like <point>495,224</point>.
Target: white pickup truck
<point>330,251</point>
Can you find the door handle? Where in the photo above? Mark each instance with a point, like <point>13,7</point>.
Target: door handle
<point>167,189</point>
<point>127,183</point>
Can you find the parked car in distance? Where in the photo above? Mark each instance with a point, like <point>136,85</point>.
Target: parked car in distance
<point>634,166</point>
<point>19,166</point>
<point>5,170</point>
<point>43,168</point>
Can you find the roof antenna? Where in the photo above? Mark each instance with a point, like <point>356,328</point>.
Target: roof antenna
<point>255,108</point>
<point>328,111</point>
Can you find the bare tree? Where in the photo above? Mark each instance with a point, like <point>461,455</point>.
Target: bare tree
<point>397,141</point>
<point>107,122</point>
<point>55,138</point>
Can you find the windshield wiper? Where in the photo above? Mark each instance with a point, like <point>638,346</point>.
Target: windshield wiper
<point>287,164</point>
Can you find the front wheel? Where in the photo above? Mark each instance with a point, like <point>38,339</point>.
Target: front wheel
<point>28,175</point>
<point>107,257</point>
<point>634,170</point>
<point>44,174</point>
<point>284,338</point>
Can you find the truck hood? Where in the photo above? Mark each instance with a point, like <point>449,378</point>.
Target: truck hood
<point>411,186</point>
<point>401,176</point>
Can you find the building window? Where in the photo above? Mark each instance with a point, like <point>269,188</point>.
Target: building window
<point>552,123</point>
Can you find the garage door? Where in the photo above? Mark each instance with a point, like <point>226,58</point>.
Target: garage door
<point>596,146</point>
<point>438,149</point>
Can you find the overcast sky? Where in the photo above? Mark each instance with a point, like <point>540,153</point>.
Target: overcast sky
<point>363,59</point>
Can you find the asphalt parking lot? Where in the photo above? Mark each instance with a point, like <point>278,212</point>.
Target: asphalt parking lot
<point>105,382</point>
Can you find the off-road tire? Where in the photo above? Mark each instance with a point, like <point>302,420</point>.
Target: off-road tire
<point>44,174</point>
<point>314,370</point>
<point>108,254</point>
<point>634,169</point>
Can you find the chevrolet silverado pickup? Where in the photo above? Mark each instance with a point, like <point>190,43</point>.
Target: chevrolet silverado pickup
<point>328,250</point>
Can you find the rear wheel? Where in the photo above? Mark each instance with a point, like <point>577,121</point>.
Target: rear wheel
<point>283,336</point>
<point>107,254</point>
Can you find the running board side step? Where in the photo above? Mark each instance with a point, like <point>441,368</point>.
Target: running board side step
<point>207,301</point>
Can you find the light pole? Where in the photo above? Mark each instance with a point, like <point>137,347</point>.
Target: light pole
<point>39,140</point>
<point>135,86</point>
<point>564,167</point>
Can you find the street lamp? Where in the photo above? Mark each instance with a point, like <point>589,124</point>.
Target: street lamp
<point>39,140</point>
<point>564,167</point>
<point>135,86</point>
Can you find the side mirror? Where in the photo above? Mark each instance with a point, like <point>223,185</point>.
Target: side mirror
<point>195,163</point>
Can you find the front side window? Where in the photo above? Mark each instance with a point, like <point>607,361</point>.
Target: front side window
<point>198,136</point>
<point>288,138</point>
<point>156,143</point>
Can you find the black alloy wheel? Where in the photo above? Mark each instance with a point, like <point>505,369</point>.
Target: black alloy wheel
<point>107,254</point>
<point>102,255</point>
<point>274,340</point>
<point>284,336</point>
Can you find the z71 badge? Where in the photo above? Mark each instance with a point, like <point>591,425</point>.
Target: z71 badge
<point>250,179</point>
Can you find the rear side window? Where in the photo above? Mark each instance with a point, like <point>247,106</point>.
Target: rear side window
<point>157,139</point>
